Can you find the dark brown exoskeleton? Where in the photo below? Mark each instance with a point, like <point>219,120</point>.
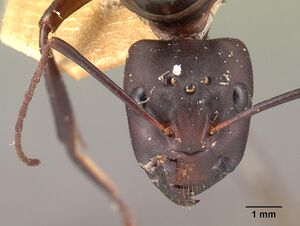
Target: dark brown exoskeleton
<point>188,99</point>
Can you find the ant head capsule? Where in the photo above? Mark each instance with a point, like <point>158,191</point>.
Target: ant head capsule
<point>194,159</point>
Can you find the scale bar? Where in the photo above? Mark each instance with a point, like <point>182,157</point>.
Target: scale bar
<point>271,207</point>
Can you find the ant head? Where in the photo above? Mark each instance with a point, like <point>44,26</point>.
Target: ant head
<point>191,86</point>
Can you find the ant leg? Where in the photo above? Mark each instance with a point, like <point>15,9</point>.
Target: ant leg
<point>56,13</point>
<point>262,106</point>
<point>68,133</point>
<point>64,118</point>
<point>66,129</point>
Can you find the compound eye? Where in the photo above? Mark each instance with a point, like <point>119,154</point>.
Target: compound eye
<point>139,95</point>
<point>240,97</point>
<point>164,7</point>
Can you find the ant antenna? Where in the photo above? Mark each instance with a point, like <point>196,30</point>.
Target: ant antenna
<point>23,110</point>
<point>262,106</point>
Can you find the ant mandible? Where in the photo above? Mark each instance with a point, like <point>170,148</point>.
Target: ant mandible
<point>188,98</point>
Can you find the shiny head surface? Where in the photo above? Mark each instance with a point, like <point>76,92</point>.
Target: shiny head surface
<point>191,86</point>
